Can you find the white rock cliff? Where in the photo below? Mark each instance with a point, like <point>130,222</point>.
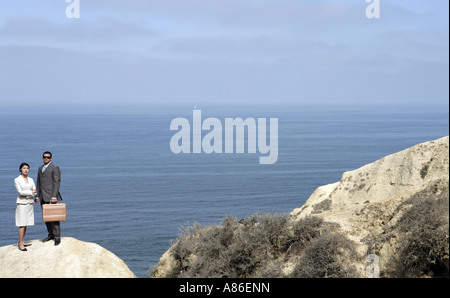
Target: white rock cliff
<point>386,182</point>
<point>368,205</point>
<point>72,258</point>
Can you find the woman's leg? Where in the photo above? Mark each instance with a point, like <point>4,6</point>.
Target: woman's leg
<point>22,232</point>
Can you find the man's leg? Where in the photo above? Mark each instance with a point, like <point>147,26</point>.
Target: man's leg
<point>49,225</point>
<point>50,230</point>
<point>56,232</point>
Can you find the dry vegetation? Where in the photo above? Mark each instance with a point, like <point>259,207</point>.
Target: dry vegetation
<point>259,246</point>
<point>272,245</point>
<point>421,235</point>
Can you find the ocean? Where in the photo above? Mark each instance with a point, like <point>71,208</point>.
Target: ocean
<point>126,191</point>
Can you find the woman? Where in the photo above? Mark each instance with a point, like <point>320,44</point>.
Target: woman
<point>24,209</point>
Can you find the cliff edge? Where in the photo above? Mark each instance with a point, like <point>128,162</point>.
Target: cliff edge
<point>379,205</point>
<point>389,218</point>
<point>72,258</point>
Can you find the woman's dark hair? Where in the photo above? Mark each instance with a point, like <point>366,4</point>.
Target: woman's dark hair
<point>22,165</point>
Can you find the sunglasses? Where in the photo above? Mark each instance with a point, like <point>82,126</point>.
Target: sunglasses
<point>46,157</point>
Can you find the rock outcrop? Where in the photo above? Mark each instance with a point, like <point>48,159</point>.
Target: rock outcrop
<point>72,258</point>
<point>368,202</point>
<point>394,209</point>
<point>397,175</point>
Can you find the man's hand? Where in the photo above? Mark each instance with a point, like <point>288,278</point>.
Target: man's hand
<point>53,201</point>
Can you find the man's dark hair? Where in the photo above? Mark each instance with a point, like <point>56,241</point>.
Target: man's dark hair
<point>47,152</point>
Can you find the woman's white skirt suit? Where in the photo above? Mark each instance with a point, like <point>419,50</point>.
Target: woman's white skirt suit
<point>24,207</point>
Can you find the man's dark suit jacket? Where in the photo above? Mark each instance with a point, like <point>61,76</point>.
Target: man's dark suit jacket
<point>48,183</point>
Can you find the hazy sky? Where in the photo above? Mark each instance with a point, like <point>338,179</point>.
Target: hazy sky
<point>216,51</point>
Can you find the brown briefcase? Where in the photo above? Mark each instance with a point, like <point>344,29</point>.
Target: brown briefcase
<point>54,212</point>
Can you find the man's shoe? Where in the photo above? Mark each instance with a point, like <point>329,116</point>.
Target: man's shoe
<point>57,242</point>
<point>48,238</point>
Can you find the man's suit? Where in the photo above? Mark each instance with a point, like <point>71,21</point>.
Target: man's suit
<point>47,187</point>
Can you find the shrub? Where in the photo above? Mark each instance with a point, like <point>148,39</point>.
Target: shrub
<point>424,246</point>
<point>327,256</point>
<point>322,206</point>
<point>256,246</point>
<point>233,249</point>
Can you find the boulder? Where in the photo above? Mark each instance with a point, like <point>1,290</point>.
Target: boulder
<point>71,258</point>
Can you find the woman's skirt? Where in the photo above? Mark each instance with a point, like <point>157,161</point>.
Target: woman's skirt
<point>24,215</point>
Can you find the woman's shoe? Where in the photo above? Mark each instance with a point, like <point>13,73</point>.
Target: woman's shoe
<point>29,244</point>
<point>22,249</point>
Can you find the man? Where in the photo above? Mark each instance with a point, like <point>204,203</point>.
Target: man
<point>48,182</point>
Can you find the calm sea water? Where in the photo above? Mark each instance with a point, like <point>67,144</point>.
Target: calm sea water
<point>128,192</point>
